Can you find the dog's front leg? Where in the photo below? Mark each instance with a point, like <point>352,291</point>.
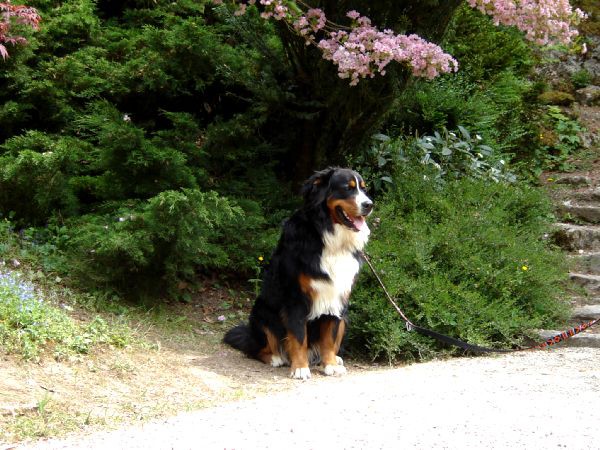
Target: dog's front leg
<point>296,346</point>
<point>331,333</point>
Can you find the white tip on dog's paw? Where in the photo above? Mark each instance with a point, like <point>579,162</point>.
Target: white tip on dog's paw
<point>302,373</point>
<point>332,369</point>
<point>339,360</point>
<point>277,361</point>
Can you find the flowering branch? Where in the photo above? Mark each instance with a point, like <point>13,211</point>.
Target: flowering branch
<point>360,50</point>
<point>10,14</point>
<point>542,21</point>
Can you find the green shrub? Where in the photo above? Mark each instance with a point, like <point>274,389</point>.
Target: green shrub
<point>128,163</point>
<point>468,260</point>
<point>143,248</point>
<point>559,137</point>
<point>446,155</point>
<point>581,78</point>
<point>117,108</point>
<point>457,154</point>
<point>35,171</point>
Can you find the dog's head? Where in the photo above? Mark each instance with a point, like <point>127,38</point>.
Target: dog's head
<point>342,192</point>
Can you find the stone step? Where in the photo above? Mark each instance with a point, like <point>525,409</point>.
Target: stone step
<point>572,212</point>
<point>586,309</point>
<point>586,262</point>
<point>586,312</point>
<point>587,338</point>
<point>591,283</point>
<point>574,180</point>
<point>586,196</point>
<point>577,237</point>
<point>584,301</point>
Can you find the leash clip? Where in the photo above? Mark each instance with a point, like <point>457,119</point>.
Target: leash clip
<point>409,326</point>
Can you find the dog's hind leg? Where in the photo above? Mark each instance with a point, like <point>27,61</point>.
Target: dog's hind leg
<point>270,353</point>
<point>331,333</point>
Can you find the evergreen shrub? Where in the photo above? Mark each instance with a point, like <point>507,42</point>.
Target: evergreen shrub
<point>143,248</point>
<point>143,110</point>
<point>467,258</point>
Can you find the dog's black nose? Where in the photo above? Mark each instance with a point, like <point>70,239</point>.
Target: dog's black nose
<point>367,207</point>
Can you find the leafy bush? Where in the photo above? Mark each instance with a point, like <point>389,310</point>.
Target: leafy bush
<point>491,93</point>
<point>113,110</point>
<point>456,154</point>
<point>35,172</point>
<point>468,260</point>
<point>581,78</point>
<point>30,325</point>
<point>445,155</point>
<point>560,138</point>
<point>144,247</point>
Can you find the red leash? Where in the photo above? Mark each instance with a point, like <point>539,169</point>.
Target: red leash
<point>470,347</point>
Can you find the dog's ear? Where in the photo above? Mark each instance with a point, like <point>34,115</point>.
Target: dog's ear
<point>316,184</point>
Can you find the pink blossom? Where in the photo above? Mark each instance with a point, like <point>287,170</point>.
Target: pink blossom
<point>365,50</point>
<point>542,21</point>
<point>316,18</point>
<point>353,14</point>
<point>10,13</point>
<point>361,50</point>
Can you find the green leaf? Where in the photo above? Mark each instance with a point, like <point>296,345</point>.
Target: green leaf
<point>427,145</point>
<point>381,137</point>
<point>464,132</point>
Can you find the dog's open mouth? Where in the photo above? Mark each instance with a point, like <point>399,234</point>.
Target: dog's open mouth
<point>354,223</point>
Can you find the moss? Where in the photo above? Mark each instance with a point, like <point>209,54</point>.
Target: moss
<point>556,98</point>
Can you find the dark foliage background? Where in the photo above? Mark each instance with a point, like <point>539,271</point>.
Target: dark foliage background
<point>145,143</point>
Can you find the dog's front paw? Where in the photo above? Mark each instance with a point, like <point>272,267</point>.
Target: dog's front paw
<point>301,373</point>
<point>339,360</point>
<point>334,369</point>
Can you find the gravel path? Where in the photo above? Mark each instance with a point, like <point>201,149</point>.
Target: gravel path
<point>540,400</point>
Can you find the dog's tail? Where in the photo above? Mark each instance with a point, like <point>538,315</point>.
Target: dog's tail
<point>242,338</point>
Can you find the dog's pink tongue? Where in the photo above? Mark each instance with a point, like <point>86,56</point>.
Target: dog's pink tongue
<point>359,222</point>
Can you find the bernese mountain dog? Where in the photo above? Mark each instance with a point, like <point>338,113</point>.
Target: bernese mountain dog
<point>300,316</point>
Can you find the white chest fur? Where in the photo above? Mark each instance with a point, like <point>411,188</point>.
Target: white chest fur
<point>330,297</point>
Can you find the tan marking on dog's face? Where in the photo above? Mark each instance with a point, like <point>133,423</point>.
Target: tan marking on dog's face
<point>352,183</point>
<point>347,204</point>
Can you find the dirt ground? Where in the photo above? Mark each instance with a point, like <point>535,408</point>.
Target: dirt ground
<point>181,367</point>
<point>542,399</point>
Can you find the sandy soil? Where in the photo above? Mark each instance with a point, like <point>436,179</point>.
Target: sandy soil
<point>543,399</point>
<point>183,369</point>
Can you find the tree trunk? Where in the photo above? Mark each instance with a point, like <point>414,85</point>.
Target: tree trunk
<point>343,117</point>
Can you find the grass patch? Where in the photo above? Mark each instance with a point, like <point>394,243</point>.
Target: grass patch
<point>31,324</point>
